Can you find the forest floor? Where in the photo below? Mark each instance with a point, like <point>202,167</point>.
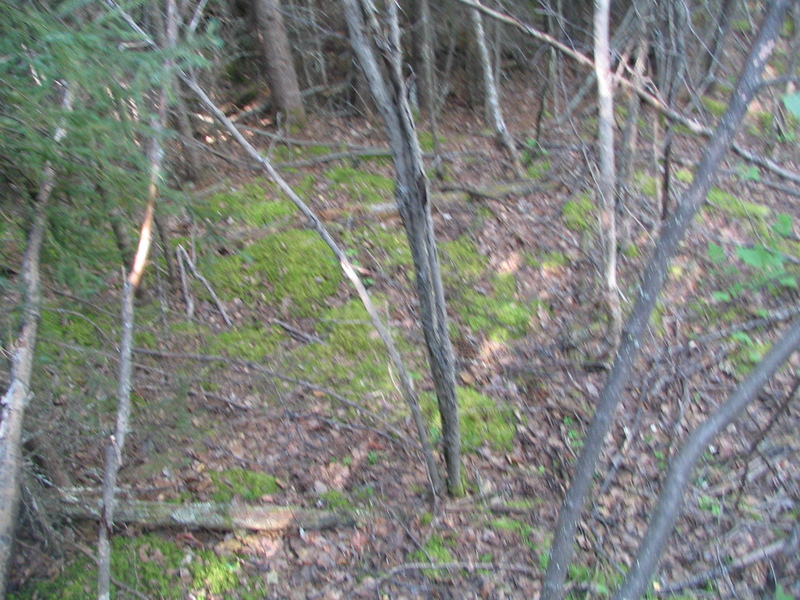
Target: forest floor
<point>522,271</point>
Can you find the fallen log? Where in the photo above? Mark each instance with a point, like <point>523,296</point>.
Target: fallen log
<point>82,504</point>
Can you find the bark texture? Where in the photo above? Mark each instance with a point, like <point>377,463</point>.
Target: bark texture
<point>280,66</point>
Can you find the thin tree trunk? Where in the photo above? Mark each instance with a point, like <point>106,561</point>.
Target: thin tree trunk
<point>412,197</point>
<point>116,443</point>
<point>280,66</point>
<point>652,282</point>
<point>494,114</point>
<point>608,177</point>
<point>429,78</point>
<point>16,398</point>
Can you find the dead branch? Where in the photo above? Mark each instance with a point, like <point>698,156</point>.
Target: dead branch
<point>85,504</point>
<point>183,257</point>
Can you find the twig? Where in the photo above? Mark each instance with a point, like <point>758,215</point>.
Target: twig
<point>296,333</point>
<point>187,297</point>
<point>220,306</point>
<point>117,583</point>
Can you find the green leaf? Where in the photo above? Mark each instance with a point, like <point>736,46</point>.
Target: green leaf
<point>788,281</point>
<point>792,103</point>
<point>783,225</point>
<point>715,253</point>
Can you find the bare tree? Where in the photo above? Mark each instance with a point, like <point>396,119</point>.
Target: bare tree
<point>652,282</point>
<point>607,184</point>
<point>411,194</point>
<point>494,114</point>
<point>280,66</point>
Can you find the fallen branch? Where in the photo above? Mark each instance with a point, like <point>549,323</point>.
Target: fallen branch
<point>82,504</point>
<point>183,256</point>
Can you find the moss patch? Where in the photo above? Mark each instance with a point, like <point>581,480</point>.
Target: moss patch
<point>251,205</point>
<point>500,316</point>
<point>646,184</point>
<point>247,342</point>
<point>366,187</point>
<point>151,566</point>
<point>294,268</point>
<point>389,246</point>
<point>578,213</point>
<point>352,356</point>
<point>461,262</point>
<point>715,107</point>
<point>250,485</point>
<point>736,208</point>
<point>435,550</point>
<point>482,420</point>
<point>538,169</point>
<point>684,175</point>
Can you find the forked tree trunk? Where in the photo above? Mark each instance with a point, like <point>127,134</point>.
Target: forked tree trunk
<point>413,202</point>
<point>280,66</point>
<point>16,398</point>
<point>652,281</point>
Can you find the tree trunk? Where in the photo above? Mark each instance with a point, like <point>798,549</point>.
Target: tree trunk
<point>280,66</point>
<point>493,112</point>
<point>653,280</point>
<point>16,398</point>
<point>412,197</point>
<point>607,185</point>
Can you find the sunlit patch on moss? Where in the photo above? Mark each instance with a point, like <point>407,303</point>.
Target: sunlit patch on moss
<point>362,185</point>
<point>482,420</point>
<point>294,269</point>
<point>578,213</point>
<point>249,485</point>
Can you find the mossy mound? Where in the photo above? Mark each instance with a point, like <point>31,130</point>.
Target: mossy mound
<point>153,567</point>
<point>294,269</point>
<point>249,485</point>
<point>389,246</point>
<point>251,205</point>
<point>361,185</point>
<point>482,420</point>
<point>578,213</point>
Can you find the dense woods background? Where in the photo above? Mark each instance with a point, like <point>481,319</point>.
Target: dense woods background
<point>419,299</point>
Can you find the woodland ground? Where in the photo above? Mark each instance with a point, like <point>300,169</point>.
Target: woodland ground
<point>522,271</point>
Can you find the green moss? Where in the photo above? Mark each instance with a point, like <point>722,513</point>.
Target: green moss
<point>250,205</point>
<point>736,208</point>
<point>426,141</point>
<point>482,420</point>
<point>538,169</point>
<point>292,268</point>
<point>250,485</point>
<point>362,185</point>
<point>434,550</point>
<point>335,500</point>
<point>500,316</point>
<point>715,107</point>
<point>461,261</point>
<point>548,261</point>
<point>645,183</point>
<point>150,565</point>
<point>247,342</point>
<point>282,153</point>
<point>578,213</point>
<point>353,356</point>
<point>684,175</point>
<point>389,246</point>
